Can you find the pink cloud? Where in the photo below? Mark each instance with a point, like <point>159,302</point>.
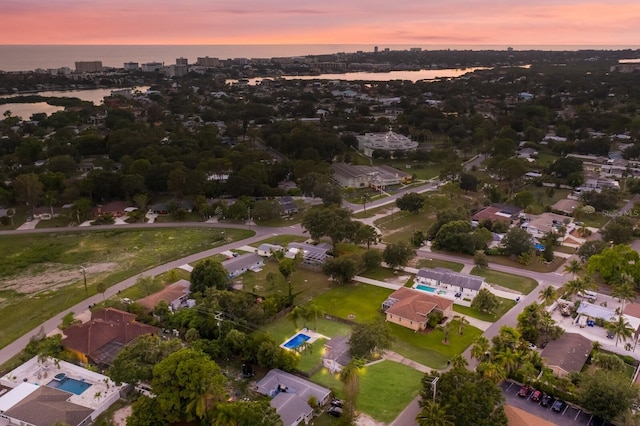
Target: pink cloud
<point>289,21</point>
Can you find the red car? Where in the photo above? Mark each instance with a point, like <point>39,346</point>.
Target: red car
<point>524,391</point>
<point>536,396</point>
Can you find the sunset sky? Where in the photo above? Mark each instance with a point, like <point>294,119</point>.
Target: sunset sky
<point>420,22</point>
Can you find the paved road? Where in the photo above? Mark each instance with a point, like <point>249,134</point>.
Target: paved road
<point>14,348</point>
<point>431,185</point>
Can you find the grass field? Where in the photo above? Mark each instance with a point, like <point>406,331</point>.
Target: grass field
<point>380,273</point>
<point>308,284</point>
<point>359,302</point>
<point>428,349</point>
<point>282,329</point>
<point>386,388</point>
<point>503,308</point>
<point>437,263</point>
<point>520,284</point>
<point>40,274</point>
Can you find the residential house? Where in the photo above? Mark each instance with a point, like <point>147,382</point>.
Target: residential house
<point>313,256</point>
<point>237,266</point>
<point>336,355</point>
<point>498,212</point>
<point>114,208</point>
<point>100,339</point>
<point>290,395</point>
<point>46,392</point>
<point>468,285</point>
<point>350,176</point>
<point>288,205</point>
<point>568,353</point>
<point>176,296</point>
<point>411,308</point>
<point>267,250</point>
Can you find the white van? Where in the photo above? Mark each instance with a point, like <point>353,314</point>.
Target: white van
<point>588,294</point>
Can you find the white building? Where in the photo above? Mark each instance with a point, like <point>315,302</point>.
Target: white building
<point>390,141</point>
<point>468,285</point>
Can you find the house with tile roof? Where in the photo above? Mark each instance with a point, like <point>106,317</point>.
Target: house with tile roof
<point>100,339</point>
<point>411,308</point>
<point>175,295</point>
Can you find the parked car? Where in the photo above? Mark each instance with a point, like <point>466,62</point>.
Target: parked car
<point>335,411</point>
<point>458,295</point>
<point>517,299</point>
<point>536,395</point>
<point>524,391</point>
<point>547,401</point>
<point>558,406</point>
<point>337,402</point>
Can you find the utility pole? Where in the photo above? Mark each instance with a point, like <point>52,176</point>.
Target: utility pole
<point>84,275</point>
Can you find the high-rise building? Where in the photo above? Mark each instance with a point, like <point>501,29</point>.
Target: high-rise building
<point>88,66</point>
<point>182,61</point>
<point>131,66</point>
<point>208,62</point>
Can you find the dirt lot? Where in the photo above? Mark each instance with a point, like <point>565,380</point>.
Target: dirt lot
<point>52,276</point>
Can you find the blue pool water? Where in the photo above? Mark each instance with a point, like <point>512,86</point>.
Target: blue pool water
<point>426,288</point>
<point>70,385</point>
<point>296,341</point>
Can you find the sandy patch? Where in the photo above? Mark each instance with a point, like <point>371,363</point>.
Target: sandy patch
<point>366,420</point>
<point>52,276</point>
<point>399,280</point>
<point>120,416</point>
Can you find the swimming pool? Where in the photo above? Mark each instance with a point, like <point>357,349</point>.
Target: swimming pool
<point>69,385</point>
<point>425,288</point>
<point>296,341</point>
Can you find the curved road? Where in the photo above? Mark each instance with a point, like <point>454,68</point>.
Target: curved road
<point>262,232</point>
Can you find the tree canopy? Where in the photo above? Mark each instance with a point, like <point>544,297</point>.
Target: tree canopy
<point>209,273</point>
<point>369,338</point>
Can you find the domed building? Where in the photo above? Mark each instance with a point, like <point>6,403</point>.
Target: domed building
<point>389,141</point>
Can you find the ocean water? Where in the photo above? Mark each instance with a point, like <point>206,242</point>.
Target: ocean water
<point>30,57</point>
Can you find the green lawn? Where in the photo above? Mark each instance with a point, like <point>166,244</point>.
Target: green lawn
<point>386,388</point>
<point>520,284</point>
<point>381,273</point>
<point>437,263</point>
<point>308,284</point>
<point>503,308</point>
<point>427,348</point>
<point>109,256</point>
<point>360,302</point>
<point>282,329</point>
<point>400,219</point>
<point>312,356</point>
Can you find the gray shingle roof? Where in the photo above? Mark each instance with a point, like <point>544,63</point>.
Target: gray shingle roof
<point>446,276</point>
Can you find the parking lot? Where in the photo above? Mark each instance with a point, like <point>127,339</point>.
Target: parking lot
<point>569,415</point>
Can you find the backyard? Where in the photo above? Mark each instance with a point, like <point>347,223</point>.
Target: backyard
<point>44,269</point>
<point>386,388</point>
<point>517,283</point>
<point>358,302</point>
<point>504,306</point>
<point>428,348</point>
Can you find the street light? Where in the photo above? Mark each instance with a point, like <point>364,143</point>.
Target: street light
<point>84,275</point>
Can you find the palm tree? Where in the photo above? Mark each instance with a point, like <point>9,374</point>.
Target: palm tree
<point>620,329</point>
<point>458,361</point>
<point>312,313</point>
<point>480,348</point>
<point>365,198</point>
<point>295,315</point>
<point>574,267</point>
<point>625,290</point>
<point>462,322</point>
<point>446,329</point>
<point>548,295</point>
<point>350,378</point>
<point>492,371</point>
<point>509,360</point>
<point>433,414</point>
<point>578,285</point>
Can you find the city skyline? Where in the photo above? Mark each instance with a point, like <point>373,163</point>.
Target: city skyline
<point>458,22</point>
